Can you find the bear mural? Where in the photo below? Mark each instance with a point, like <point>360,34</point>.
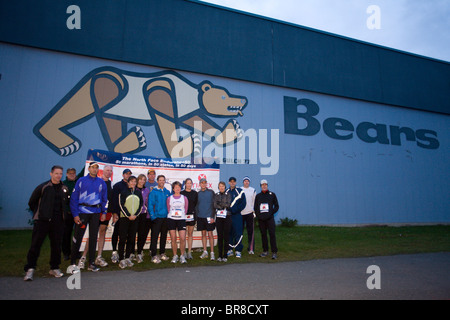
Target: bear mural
<point>166,100</point>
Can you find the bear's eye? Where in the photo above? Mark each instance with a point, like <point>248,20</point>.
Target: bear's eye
<point>223,97</point>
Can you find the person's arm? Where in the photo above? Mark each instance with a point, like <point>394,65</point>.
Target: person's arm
<point>275,203</point>
<point>151,205</point>
<point>33,203</point>
<point>186,204</point>
<point>124,209</point>
<point>74,199</point>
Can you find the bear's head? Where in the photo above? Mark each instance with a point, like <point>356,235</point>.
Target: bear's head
<point>218,101</point>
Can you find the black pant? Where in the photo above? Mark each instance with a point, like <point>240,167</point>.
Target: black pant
<point>67,235</point>
<point>143,229</point>
<point>115,235</point>
<point>247,222</point>
<point>264,226</point>
<point>54,229</point>
<point>93,220</point>
<point>127,236</point>
<point>159,226</point>
<point>223,226</point>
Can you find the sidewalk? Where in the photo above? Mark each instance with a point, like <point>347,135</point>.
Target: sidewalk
<point>419,276</point>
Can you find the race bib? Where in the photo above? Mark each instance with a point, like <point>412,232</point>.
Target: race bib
<point>221,213</point>
<point>189,217</point>
<point>176,213</point>
<point>264,207</point>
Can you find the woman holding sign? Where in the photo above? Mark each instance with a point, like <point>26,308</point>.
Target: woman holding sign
<point>177,206</point>
<point>222,202</point>
<point>266,206</point>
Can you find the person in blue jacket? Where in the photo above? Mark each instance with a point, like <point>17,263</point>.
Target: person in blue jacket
<point>157,208</point>
<point>238,203</point>
<point>87,203</point>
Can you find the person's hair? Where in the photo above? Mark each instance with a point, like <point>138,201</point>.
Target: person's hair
<point>71,169</point>
<point>108,166</point>
<point>188,179</point>
<point>160,176</point>
<point>140,177</point>
<point>131,178</point>
<point>176,183</point>
<point>224,184</point>
<point>57,167</point>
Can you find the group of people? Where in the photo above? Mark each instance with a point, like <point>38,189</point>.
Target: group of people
<point>137,206</point>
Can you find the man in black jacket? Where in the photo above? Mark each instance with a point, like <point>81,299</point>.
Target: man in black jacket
<point>266,206</point>
<point>48,204</point>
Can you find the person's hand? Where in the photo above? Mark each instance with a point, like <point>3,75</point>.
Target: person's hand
<point>77,220</point>
<point>115,217</point>
<point>103,217</point>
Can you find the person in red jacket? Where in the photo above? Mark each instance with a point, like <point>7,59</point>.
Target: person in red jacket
<point>266,206</point>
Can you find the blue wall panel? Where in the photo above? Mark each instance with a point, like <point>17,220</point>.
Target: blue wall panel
<point>319,180</point>
<point>196,37</point>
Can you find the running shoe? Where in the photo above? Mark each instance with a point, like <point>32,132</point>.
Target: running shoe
<point>212,256</point>
<point>82,263</point>
<point>264,254</point>
<point>115,257</point>
<point>164,257</point>
<point>174,259</point>
<point>122,264</point>
<point>92,267</point>
<point>101,262</point>
<point>183,259</point>
<point>72,269</point>
<point>230,253</point>
<point>29,275</point>
<point>238,254</point>
<point>204,255</point>
<point>129,263</point>
<point>56,273</point>
<point>156,259</point>
<point>140,258</point>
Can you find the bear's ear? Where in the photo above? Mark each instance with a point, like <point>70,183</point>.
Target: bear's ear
<point>206,86</point>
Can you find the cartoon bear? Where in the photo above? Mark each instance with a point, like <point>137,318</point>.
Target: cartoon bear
<point>167,100</point>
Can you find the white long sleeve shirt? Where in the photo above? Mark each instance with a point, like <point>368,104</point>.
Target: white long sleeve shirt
<point>250,195</point>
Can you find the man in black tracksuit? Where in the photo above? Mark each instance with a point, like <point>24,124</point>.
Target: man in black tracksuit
<point>266,206</point>
<point>48,203</point>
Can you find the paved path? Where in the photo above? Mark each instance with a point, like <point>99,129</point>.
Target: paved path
<point>418,276</point>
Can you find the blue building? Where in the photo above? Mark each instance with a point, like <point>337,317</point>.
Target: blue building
<point>344,131</point>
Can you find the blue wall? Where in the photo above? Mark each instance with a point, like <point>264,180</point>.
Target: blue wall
<point>320,180</point>
<point>195,37</point>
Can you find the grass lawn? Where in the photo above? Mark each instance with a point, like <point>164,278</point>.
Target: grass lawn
<point>295,243</point>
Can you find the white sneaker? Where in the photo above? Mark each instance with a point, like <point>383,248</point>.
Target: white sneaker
<point>72,269</point>
<point>238,254</point>
<point>129,263</point>
<point>164,257</point>
<point>189,255</point>
<point>123,264</point>
<point>183,259</point>
<point>230,253</point>
<point>29,275</point>
<point>212,256</point>
<point>140,258</point>
<point>82,262</point>
<point>174,259</point>
<point>156,259</point>
<point>204,255</point>
<point>101,262</point>
<point>56,273</point>
<point>115,257</point>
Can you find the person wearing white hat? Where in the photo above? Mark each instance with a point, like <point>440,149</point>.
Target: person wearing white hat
<point>266,206</point>
<point>248,214</point>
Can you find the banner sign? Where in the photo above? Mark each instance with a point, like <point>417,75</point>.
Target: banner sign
<point>173,170</point>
